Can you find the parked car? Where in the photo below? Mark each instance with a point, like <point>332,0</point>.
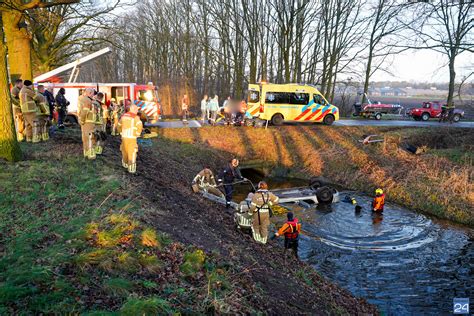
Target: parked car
<point>433,109</point>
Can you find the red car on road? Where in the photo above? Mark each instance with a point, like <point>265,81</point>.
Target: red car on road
<point>433,110</point>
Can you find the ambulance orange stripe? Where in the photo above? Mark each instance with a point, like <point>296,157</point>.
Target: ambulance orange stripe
<point>302,114</point>
<point>255,111</point>
<point>312,114</point>
<point>322,115</point>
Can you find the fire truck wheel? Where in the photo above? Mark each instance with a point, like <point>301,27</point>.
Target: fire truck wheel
<point>328,119</point>
<point>277,119</point>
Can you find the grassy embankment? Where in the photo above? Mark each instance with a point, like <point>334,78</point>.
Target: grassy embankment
<point>437,182</point>
<point>86,238</point>
<point>71,242</point>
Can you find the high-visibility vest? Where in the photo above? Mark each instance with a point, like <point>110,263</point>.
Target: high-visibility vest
<point>131,126</point>
<point>27,100</point>
<point>379,202</point>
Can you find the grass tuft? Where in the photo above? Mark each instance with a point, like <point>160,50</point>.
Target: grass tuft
<point>149,238</point>
<point>193,262</point>
<point>145,307</point>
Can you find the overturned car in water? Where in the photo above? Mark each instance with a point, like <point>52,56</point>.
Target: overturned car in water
<point>315,193</point>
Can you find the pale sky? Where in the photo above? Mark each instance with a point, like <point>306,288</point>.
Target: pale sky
<point>425,66</point>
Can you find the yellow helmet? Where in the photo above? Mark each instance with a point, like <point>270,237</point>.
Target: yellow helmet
<point>379,191</point>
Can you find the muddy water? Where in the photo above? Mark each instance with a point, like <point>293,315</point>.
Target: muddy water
<point>404,262</point>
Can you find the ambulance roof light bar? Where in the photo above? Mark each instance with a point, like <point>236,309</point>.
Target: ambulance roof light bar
<point>72,66</point>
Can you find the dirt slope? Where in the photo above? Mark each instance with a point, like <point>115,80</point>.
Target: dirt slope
<point>165,171</point>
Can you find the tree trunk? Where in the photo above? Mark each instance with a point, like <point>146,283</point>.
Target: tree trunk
<point>19,46</point>
<point>9,148</point>
<point>367,76</point>
<point>452,77</point>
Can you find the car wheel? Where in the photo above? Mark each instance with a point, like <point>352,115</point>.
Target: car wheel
<point>70,119</point>
<point>456,118</point>
<point>328,119</point>
<point>324,194</point>
<point>425,116</point>
<point>378,116</point>
<point>315,183</point>
<point>277,119</point>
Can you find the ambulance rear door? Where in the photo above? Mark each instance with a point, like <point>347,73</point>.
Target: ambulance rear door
<point>253,99</point>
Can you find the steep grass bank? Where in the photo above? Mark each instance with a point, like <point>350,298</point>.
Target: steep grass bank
<point>438,181</point>
<point>81,237</point>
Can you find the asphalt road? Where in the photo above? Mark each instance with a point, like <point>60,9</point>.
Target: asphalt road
<point>408,123</point>
<point>402,123</point>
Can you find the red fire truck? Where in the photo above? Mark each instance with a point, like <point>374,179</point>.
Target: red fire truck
<point>145,96</point>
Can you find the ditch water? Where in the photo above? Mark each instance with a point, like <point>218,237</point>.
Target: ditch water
<point>403,262</point>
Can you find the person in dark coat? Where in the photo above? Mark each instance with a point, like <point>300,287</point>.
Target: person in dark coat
<point>61,103</point>
<point>228,176</point>
<point>51,102</point>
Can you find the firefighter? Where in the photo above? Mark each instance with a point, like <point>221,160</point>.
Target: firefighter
<point>42,113</point>
<point>87,119</point>
<point>227,177</point>
<point>18,116</point>
<point>130,127</point>
<point>205,181</point>
<point>291,230</point>
<point>116,113</point>
<point>379,201</point>
<point>28,109</point>
<point>260,209</point>
<point>48,94</point>
<point>100,122</point>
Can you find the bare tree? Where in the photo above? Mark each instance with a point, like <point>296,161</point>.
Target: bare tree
<point>446,27</point>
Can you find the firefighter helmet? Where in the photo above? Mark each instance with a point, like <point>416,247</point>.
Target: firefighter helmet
<point>379,191</point>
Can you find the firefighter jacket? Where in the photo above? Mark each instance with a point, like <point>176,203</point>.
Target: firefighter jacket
<point>378,203</point>
<point>262,201</point>
<point>130,125</point>
<point>229,174</point>
<point>81,102</point>
<point>42,105</point>
<point>291,229</point>
<point>27,100</point>
<point>99,120</point>
<point>88,112</point>
<point>204,178</point>
<point>16,98</point>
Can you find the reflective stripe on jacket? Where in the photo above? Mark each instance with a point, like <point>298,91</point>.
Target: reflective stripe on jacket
<point>262,200</point>
<point>205,177</point>
<point>130,125</point>
<point>27,100</point>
